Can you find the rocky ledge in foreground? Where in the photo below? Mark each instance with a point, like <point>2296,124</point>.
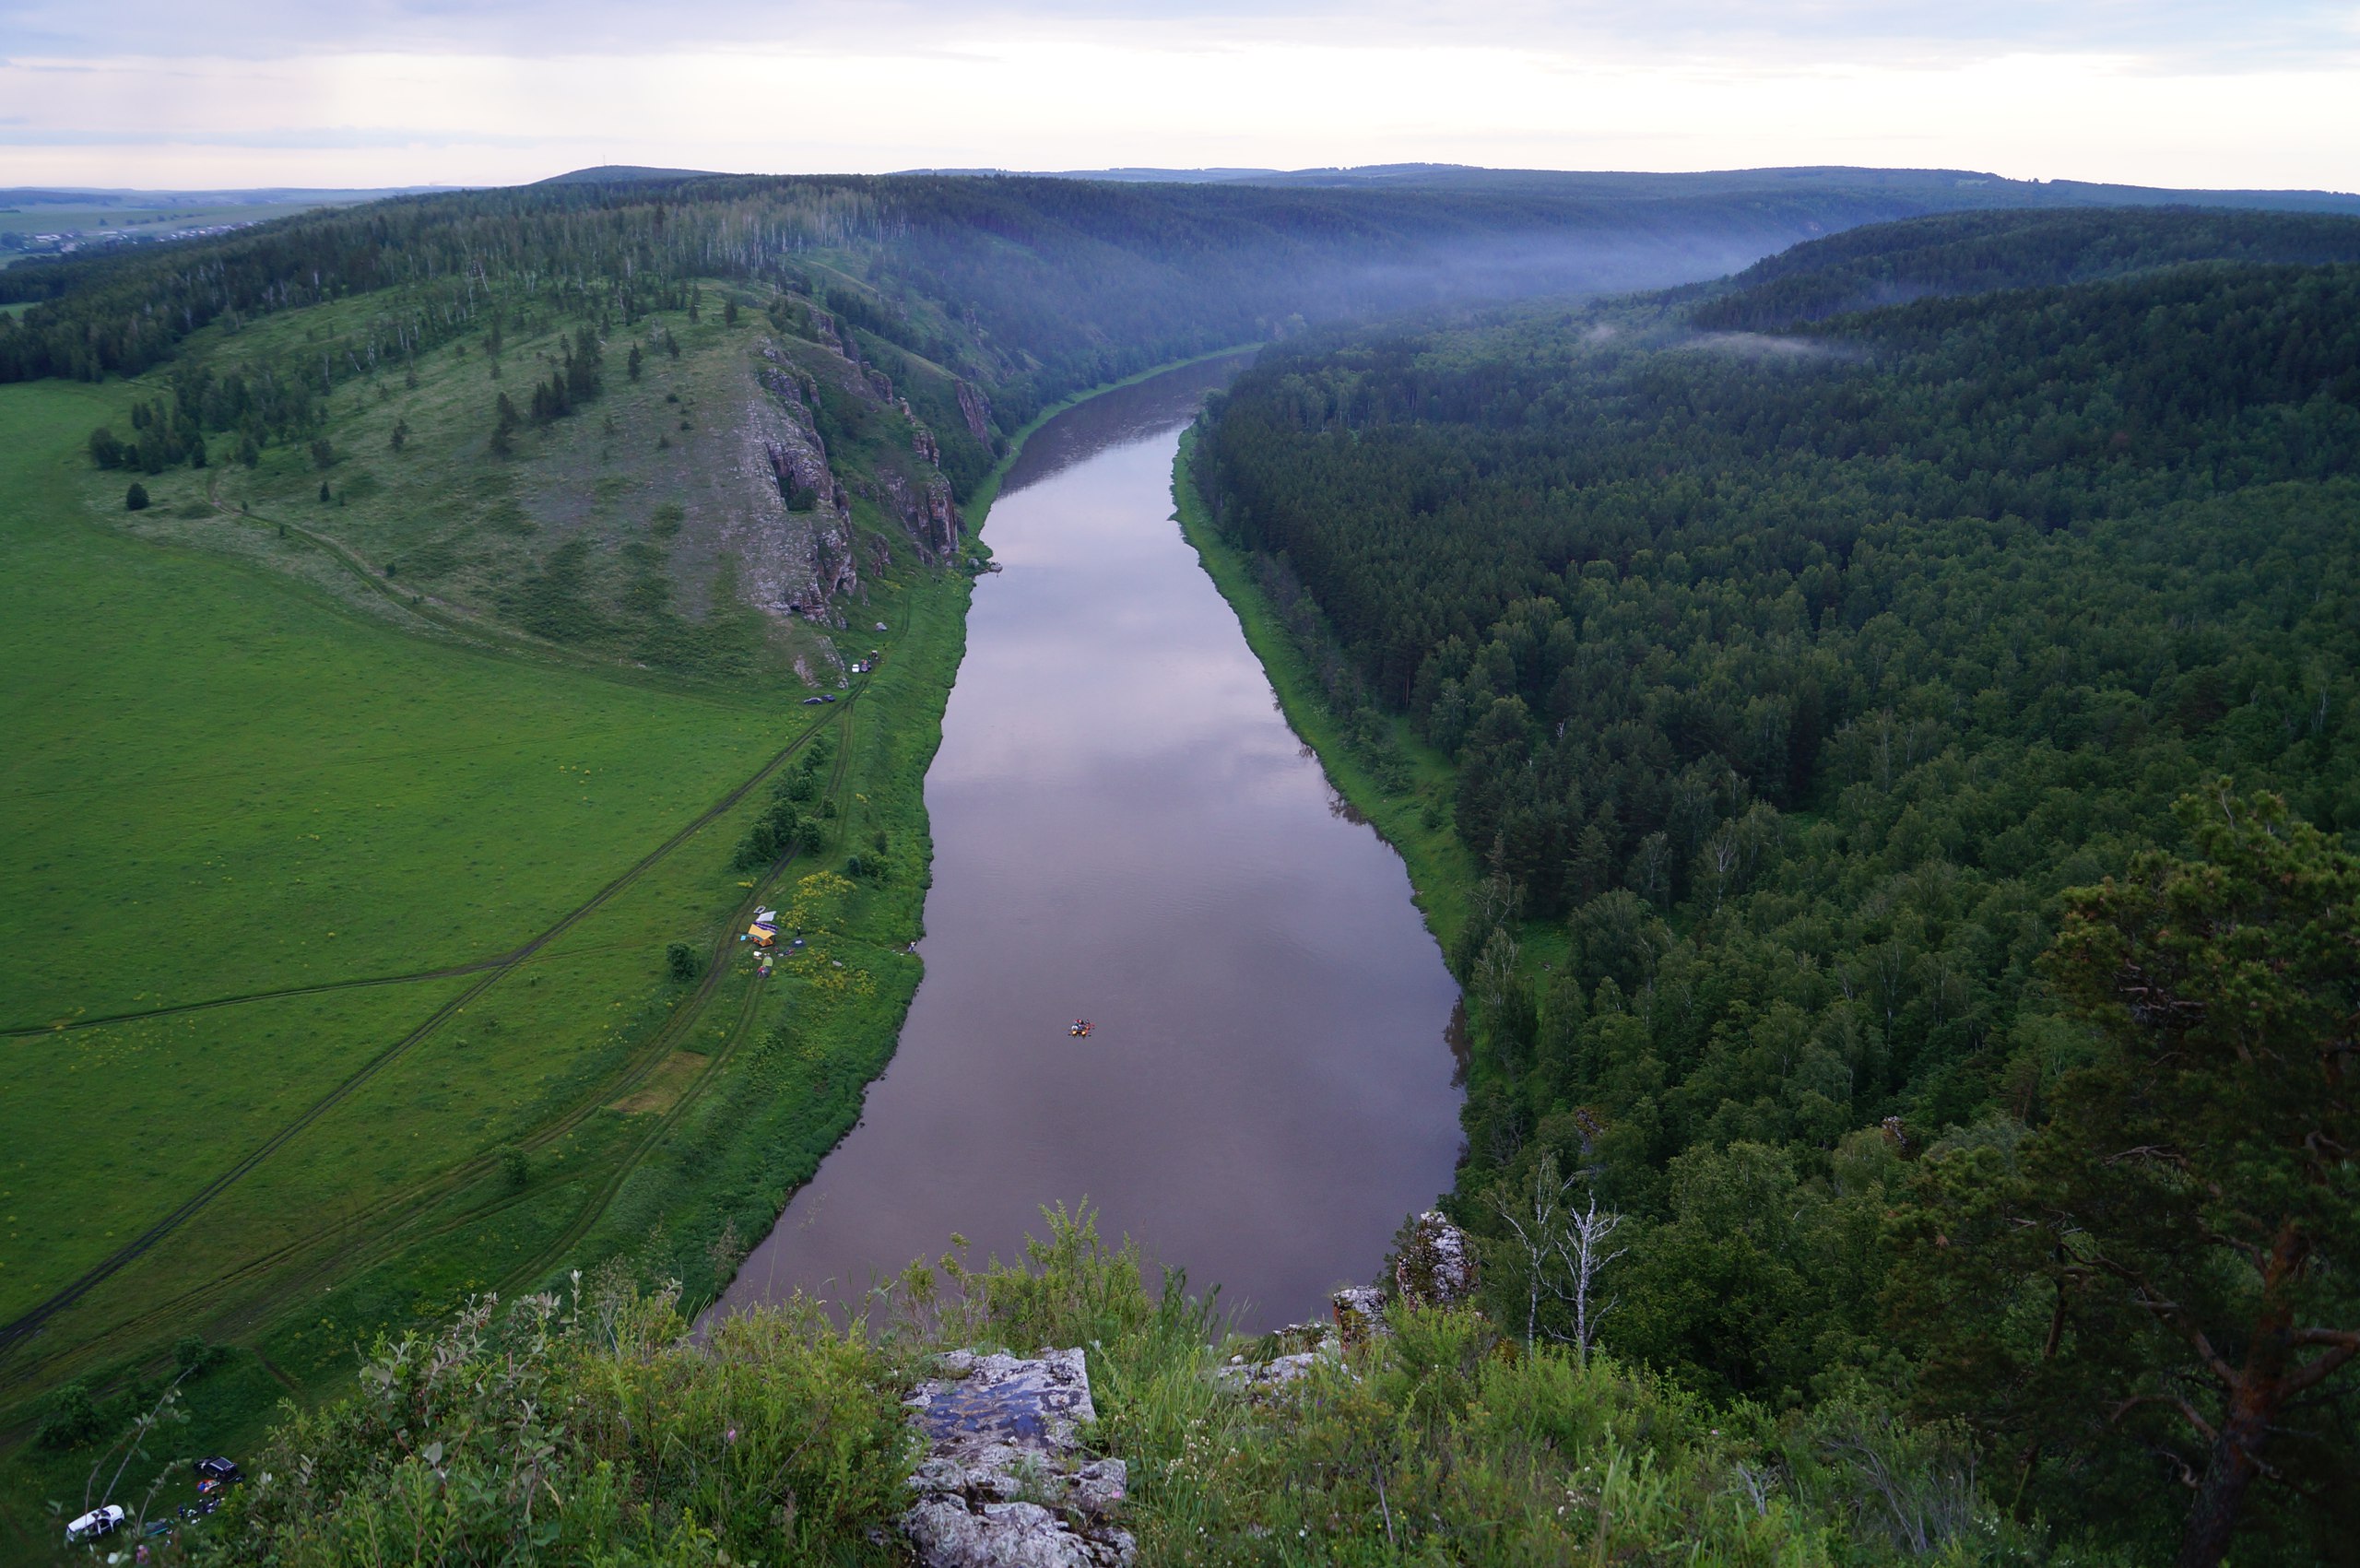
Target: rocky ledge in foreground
<point>1006,1483</point>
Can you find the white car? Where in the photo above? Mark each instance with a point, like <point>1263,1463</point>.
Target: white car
<point>94,1524</point>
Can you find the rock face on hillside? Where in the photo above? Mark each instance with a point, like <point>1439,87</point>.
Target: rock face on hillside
<point>793,529</point>
<point>976,412</point>
<point>787,522</point>
<point>1436,1267</point>
<point>1004,1483</point>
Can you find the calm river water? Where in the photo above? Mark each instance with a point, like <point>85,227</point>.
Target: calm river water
<point>1126,830</point>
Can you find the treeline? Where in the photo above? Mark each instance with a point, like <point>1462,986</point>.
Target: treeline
<point>1027,288</point>
<point>1634,590</point>
<point>1794,679</point>
<point>121,314</point>
<point>1978,253</point>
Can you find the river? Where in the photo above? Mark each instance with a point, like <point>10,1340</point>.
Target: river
<point>1126,830</point>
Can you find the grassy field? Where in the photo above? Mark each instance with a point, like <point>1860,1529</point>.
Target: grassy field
<point>225,788</point>
<point>335,980</point>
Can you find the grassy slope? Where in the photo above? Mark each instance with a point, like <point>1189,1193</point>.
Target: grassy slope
<point>224,787</point>
<point>468,537</point>
<point>187,726</point>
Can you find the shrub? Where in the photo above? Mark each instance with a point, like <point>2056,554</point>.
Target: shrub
<point>589,1431</point>
<point>68,1418</point>
<point>758,847</point>
<point>136,498</point>
<point>193,1356</point>
<point>680,962</point>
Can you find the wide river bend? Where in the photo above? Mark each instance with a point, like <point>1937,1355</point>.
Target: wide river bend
<point>1126,831</point>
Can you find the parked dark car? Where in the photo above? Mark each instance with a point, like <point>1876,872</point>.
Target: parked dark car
<point>217,1468</point>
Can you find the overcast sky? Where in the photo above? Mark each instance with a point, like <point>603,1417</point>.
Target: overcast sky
<point>398,92</point>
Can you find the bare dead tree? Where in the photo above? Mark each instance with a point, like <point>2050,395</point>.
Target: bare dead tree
<point>1583,1251</point>
<point>1537,1220</point>
<point>1564,1251</point>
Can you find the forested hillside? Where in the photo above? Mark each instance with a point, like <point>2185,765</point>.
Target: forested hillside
<point>894,332</point>
<point>1976,252</point>
<point>1056,281</point>
<point>1786,684</point>
<point>1035,285</point>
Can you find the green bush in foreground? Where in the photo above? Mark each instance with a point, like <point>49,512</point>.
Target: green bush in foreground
<point>592,1429</point>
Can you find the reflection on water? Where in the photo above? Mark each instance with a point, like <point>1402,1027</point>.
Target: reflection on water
<point>1125,831</point>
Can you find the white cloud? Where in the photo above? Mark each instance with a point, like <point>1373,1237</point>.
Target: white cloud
<point>2193,33</point>
<point>1046,91</point>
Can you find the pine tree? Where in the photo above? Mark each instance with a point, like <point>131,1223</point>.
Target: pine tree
<point>2187,1221</point>
<point>503,427</point>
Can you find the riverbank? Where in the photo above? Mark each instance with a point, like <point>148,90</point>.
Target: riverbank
<point>1402,786</point>
<point>1126,830</point>
<point>757,1135</point>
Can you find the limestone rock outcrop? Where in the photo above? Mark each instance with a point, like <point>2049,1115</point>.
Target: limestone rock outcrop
<point>785,515</point>
<point>1436,1267</point>
<point>976,412</point>
<point>1305,1349</point>
<point>1005,1484</point>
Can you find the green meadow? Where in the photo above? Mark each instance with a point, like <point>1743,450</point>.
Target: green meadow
<point>335,974</point>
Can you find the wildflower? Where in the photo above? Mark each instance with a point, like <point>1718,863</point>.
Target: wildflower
<point>729,1436</point>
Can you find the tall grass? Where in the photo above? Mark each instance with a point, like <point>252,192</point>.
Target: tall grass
<point>590,1427</point>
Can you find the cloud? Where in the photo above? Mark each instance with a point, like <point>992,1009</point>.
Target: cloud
<point>2180,34</point>
<point>13,131</point>
<point>1068,87</point>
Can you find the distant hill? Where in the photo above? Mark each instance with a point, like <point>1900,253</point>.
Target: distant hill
<point>1978,253</point>
<point>1037,284</point>
<point>109,199</point>
<point>1938,189</point>
<point>624,174</point>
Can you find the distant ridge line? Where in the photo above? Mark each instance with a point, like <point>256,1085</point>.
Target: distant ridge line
<point>627,174</point>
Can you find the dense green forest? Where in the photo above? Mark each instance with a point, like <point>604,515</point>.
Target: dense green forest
<point>1026,286</point>
<point>1790,682</point>
<point>1977,253</point>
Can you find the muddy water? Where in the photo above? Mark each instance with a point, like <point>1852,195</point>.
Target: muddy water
<point>1126,831</point>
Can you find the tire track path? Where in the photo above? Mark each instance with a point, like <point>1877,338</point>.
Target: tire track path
<point>15,1332</point>
<point>453,972</point>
